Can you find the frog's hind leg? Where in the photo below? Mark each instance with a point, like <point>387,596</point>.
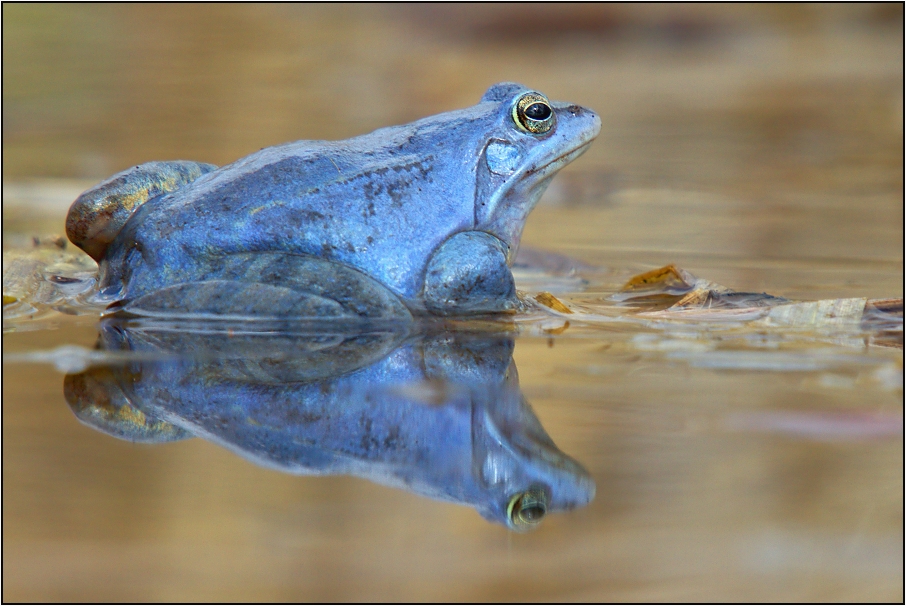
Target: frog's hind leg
<point>97,216</point>
<point>273,285</point>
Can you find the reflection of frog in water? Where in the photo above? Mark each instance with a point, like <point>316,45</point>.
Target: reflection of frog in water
<point>430,212</point>
<point>441,416</point>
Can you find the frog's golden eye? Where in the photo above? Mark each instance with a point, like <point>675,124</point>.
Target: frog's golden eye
<point>533,113</point>
<point>526,509</point>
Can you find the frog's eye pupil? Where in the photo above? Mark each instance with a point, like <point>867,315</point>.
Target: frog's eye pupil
<point>538,111</point>
<point>533,113</point>
<point>532,514</point>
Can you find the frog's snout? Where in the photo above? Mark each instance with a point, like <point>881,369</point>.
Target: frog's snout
<point>596,120</point>
<point>577,123</point>
<point>592,119</point>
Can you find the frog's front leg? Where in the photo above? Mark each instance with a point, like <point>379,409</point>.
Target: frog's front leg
<point>468,274</point>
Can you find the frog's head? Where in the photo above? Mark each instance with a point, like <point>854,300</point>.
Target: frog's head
<point>521,474</point>
<point>531,139</point>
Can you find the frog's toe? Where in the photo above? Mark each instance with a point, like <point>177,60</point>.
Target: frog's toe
<point>468,274</point>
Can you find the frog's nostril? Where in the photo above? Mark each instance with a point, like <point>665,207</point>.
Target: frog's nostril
<point>574,110</point>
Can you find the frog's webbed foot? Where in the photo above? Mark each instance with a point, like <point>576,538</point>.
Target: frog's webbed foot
<point>469,274</point>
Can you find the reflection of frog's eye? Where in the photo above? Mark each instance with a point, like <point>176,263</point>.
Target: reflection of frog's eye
<point>533,113</point>
<point>526,509</point>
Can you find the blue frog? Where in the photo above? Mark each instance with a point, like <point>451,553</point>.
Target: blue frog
<point>423,218</point>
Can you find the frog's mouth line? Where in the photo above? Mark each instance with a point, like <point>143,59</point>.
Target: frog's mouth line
<point>562,159</point>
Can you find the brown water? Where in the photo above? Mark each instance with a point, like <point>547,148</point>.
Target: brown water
<point>759,147</point>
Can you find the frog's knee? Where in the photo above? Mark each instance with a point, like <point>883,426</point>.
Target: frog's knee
<point>468,274</point>
<point>97,216</point>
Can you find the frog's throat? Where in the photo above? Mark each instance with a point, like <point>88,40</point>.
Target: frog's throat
<point>510,204</point>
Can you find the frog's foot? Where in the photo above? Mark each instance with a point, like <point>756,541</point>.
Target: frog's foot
<point>272,285</point>
<point>468,274</point>
<point>97,216</point>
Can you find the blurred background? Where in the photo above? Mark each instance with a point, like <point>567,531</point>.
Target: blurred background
<point>757,145</point>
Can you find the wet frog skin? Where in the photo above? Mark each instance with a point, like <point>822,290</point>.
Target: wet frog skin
<point>431,211</point>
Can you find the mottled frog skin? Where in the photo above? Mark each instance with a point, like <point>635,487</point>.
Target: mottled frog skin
<point>431,211</point>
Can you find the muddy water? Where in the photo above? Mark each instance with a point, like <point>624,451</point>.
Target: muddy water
<point>760,148</point>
